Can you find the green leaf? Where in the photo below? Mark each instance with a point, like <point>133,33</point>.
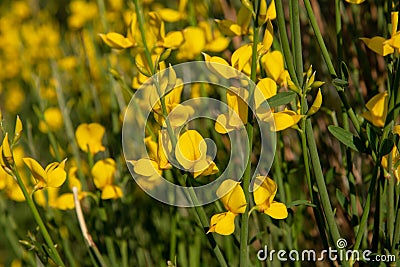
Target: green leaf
<point>281,98</point>
<point>386,147</point>
<point>345,137</point>
<point>300,202</point>
<point>339,82</point>
<point>344,70</point>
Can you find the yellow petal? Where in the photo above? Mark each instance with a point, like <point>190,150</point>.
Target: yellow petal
<point>241,56</point>
<point>170,15</point>
<point>236,101</point>
<point>357,2</point>
<point>90,136</point>
<point>395,22</point>
<point>232,196</point>
<point>377,44</point>
<point>6,153</point>
<point>179,115</point>
<point>222,223</point>
<point>111,192</point>
<point>266,89</point>
<point>377,109</point>
<point>56,174</point>
<point>229,27</point>
<point>271,11</point>
<point>18,129</point>
<point>244,18</point>
<point>273,64</point>
<point>285,119</point>
<point>277,210</point>
<point>221,124</point>
<point>116,40</point>
<point>164,148</point>
<point>190,148</point>
<point>37,171</point>
<point>65,202</point>
<point>396,129</point>
<point>264,193</point>
<point>394,41</point>
<point>173,39</point>
<point>218,44</point>
<point>146,167</point>
<point>316,105</point>
<point>103,172</point>
<point>268,36</point>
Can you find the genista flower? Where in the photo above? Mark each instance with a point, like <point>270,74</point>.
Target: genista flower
<point>53,120</point>
<point>103,173</point>
<point>232,196</point>
<point>264,198</point>
<point>89,137</point>
<point>66,200</point>
<point>274,66</point>
<point>191,153</point>
<point>377,109</point>
<point>53,176</point>
<point>383,46</point>
<point>357,2</point>
<point>150,169</point>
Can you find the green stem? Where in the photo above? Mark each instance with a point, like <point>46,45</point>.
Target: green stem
<point>46,236</point>
<point>204,223</point>
<point>244,230</point>
<point>330,66</point>
<point>298,53</point>
<point>339,39</point>
<point>367,207</point>
<point>284,41</point>
<point>322,190</point>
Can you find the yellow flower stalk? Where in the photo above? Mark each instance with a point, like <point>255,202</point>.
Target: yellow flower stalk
<point>377,109</point>
<point>264,194</point>
<point>53,176</point>
<point>89,137</point>
<point>232,196</point>
<point>191,153</point>
<point>103,173</point>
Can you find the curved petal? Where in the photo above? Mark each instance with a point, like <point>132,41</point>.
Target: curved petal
<point>37,171</point>
<point>222,223</point>
<point>277,210</point>
<point>265,192</point>
<point>232,196</point>
<point>56,174</point>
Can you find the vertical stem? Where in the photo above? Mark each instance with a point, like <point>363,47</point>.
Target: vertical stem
<point>323,192</point>
<point>46,236</point>
<point>298,53</point>
<point>284,41</point>
<point>244,230</point>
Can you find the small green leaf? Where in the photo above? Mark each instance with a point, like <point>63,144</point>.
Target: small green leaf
<point>339,82</point>
<point>386,147</point>
<point>280,99</point>
<point>300,202</point>
<point>345,137</point>
<point>344,71</point>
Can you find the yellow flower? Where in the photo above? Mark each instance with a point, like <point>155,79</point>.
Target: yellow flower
<point>89,137</point>
<point>237,115</point>
<point>103,176</point>
<point>178,114</point>
<point>194,43</point>
<point>383,46</point>
<point>191,153</point>
<point>53,120</point>
<point>81,13</point>
<point>53,176</point>
<point>274,66</point>
<point>264,198</point>
<point>357,2</point>
<point>281,119</point>
<point>232,196</point>
<point>150,169</point>
<point>377,109</point>
<point>66,200</point>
